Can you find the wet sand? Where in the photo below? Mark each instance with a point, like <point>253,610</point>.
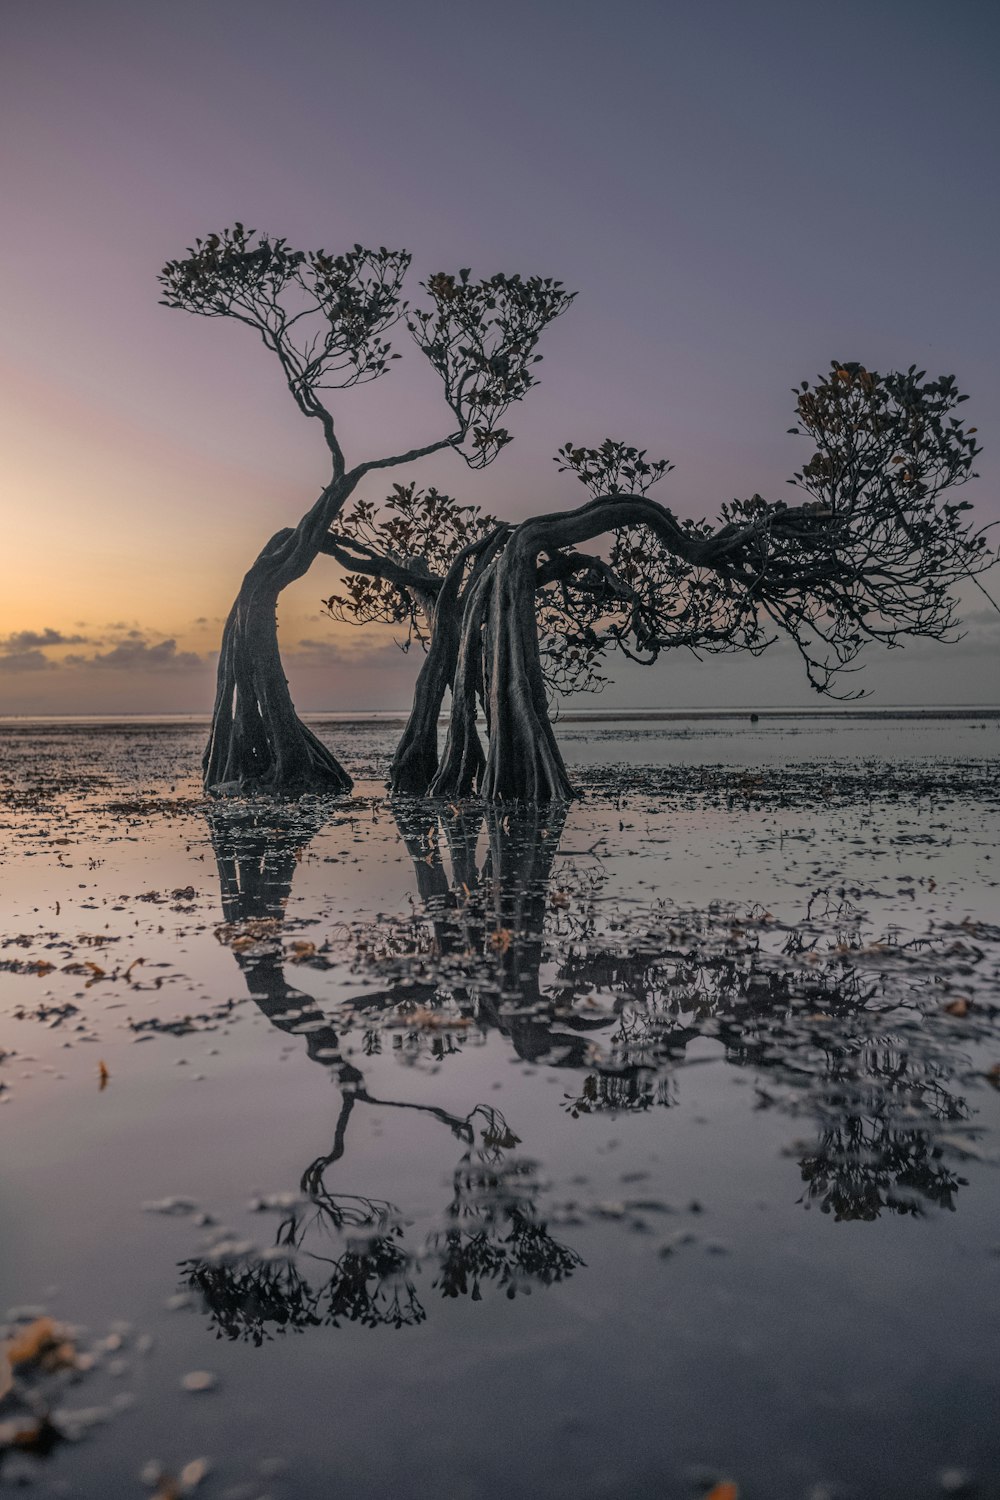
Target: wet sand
<point>664,1132</point>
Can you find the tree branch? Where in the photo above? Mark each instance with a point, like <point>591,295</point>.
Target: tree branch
<point>361,470</point>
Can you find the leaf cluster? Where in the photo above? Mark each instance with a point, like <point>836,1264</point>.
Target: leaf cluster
<point>507,1244</point>
<point>252,1296</point>
<point>481,338</point>
<point>874,553</point>
<point>877,551</point>
<point>325,316</point>
<point>881,436</point>
<point>422,530</point>
<point>416,523</point>
<point>614,468</point>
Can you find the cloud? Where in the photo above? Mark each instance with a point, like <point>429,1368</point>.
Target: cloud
<point>24,661</point>
<point>375,645</point>
<point>129,649</point>
<point>983,623</point>
<point>31,640</point>
<point>136,652</point>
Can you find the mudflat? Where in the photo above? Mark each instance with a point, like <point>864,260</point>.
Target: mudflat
<point>645,1145</point>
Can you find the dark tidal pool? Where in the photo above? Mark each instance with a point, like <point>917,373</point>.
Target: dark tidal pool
<point>647,1148</point>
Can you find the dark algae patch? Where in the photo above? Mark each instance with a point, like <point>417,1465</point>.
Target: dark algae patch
<point>647,1147</point>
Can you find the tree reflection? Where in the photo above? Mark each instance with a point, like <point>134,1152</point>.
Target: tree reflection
<point>880,1149</point>
<point>251,1296</point>
<point>494,1235</point>
<point>493,1231</point>
<point>510,937</point>
<point>812,1022</point>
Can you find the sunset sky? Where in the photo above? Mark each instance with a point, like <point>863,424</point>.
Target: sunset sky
<point>738,192</point>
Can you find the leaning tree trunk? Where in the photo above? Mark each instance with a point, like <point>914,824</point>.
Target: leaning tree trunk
<point>500,652</point>
<point>415,762</point>
<point>258,744</point>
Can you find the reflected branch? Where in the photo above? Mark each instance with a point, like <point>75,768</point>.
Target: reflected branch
<point>509,938</point>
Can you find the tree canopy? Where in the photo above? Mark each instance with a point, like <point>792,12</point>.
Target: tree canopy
<point>327,320</point>
<point>510,614</point>
<point>873,554</point>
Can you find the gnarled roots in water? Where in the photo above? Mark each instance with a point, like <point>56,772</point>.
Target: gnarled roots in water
<point>499,664</point>
<point>258,743</point>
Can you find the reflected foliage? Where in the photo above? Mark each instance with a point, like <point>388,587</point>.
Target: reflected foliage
<point>527,947</point>
<point>494,1235</point>
<point>252,1297</point>
<point>510,936</point>
<point>491,1231</point>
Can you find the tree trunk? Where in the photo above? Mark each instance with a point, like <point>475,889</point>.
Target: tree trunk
<point>463,758</point>
<point>415,762</point>
<point>258,744</point>
<point>500,656</point>
<point>523,761</point>
<point>257,862</point>
<point>499,660</point>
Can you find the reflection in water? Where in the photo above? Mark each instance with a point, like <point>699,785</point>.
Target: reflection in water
<point>674,977</point>
<point>491,1230</point>
<point>505,940</point>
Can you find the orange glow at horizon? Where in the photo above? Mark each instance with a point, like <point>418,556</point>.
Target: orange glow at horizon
<point>148,455</point>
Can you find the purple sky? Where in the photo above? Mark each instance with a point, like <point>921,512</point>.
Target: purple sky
<point>739,192</point>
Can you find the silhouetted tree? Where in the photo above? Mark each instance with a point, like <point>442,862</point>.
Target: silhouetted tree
<point>874,554</point>
<point>326,320</point>
<point>415,563</point>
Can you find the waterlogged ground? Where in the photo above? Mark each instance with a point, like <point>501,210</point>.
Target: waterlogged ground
<point>646,1150</point>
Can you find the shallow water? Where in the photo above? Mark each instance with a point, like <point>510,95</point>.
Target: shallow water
<point>620,1153</point>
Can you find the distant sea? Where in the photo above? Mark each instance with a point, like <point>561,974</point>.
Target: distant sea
<point>850,711</point>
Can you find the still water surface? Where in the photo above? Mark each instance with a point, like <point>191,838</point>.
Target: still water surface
<point>620,1151</point>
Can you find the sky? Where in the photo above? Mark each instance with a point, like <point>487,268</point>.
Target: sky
<point>739,193</point>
